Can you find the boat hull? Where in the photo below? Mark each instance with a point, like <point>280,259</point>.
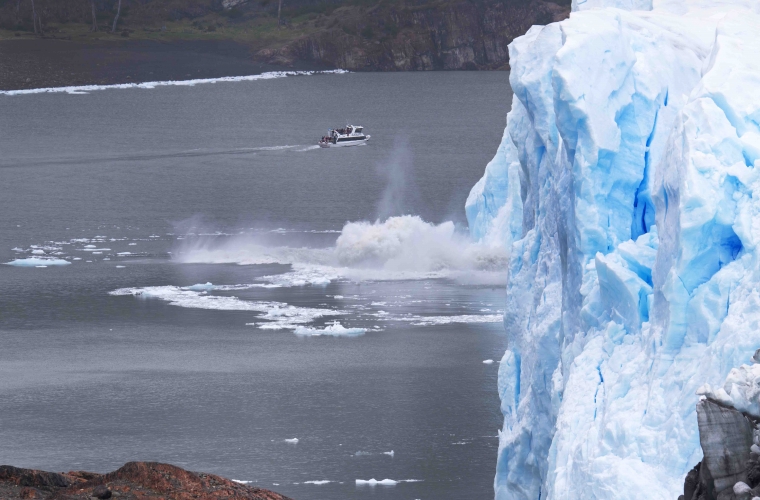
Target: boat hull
<point>344,144</point>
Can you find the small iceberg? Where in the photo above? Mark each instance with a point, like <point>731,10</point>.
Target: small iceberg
<point>335,330</point>
<point>375,482</point>
<point>37,261</point>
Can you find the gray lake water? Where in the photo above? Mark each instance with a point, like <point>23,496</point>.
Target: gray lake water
<point>140,194</point>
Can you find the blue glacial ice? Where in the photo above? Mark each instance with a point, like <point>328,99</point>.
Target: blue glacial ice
<point>624,190</point>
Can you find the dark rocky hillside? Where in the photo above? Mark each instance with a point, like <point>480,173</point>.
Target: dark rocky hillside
<point>384,35</point>
<point>133,481</point>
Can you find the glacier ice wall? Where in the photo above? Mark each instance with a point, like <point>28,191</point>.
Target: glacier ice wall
<point>625,191</point>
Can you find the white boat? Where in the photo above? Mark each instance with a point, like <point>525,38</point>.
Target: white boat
<point>351,135</point>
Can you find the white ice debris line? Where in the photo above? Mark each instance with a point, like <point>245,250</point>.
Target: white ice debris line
<point>82,89</point>
<point>276,315</point>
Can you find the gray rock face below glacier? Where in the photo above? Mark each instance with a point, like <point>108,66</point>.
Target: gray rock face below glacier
<point>726,437</point>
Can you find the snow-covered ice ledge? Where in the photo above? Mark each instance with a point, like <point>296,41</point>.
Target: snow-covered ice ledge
<point>626,187</point>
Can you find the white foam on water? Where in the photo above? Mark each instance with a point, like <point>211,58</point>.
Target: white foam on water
<point>389,453</point>
<point>333,330</point>
<point>239,481</point>
<point>177,296</point>
<point>399,248</point>
<point>304,275</point>
<point>82,89</point>
<point>37,261</point>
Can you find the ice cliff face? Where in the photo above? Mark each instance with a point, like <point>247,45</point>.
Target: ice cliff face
<point>626,187</point>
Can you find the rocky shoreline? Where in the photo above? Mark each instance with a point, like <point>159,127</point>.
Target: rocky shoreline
<point>50,62</point>
<point>133,481</point>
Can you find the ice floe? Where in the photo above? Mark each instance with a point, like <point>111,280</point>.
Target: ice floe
<point>385,482</point>
<point>334,330</point>
<point>38,261</point>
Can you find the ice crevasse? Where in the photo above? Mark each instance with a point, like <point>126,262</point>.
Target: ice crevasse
<point>627,191</point>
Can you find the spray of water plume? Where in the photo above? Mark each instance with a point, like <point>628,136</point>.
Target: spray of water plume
<point>404,247</point>
<point>400,193</point>
<point>395,246</point>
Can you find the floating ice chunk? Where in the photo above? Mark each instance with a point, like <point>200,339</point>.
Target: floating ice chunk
<point>292,441</point>
<point>120,267</point>
<point>38,252</point>
<point>487,361</point>
<point>17,249</point>
<point>239,481</point>
<point>385,482</point>
<point>333,330</point>
<point>77,258</point>
<point>319,481</point>
<point>132,244</point>
<point>124,253</point>
<point>389,453</point>
<point>89,246</point>
<point>374,482</point>
<point>37,261</point>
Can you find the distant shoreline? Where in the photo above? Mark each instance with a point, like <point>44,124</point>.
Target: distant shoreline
<point>47,63</point>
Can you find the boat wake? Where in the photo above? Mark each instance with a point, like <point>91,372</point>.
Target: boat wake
<point>193,153</point>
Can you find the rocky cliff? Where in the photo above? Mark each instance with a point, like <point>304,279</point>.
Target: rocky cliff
<point>729,434</point>
<point>134,481</point>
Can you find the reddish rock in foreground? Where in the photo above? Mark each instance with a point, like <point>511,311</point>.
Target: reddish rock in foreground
<point>134,481</point>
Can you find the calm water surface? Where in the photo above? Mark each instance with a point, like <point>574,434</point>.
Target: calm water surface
<point>196,376</point>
